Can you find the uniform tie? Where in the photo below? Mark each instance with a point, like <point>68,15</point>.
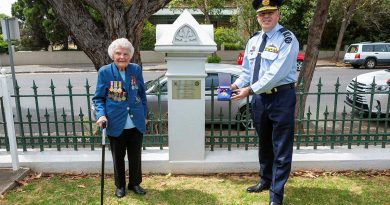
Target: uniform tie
<point>258,59</point>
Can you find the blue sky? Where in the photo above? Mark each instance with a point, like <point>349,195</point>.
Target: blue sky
<point>5,6</point>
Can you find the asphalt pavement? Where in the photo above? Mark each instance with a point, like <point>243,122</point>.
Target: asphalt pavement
<point>91,68</point>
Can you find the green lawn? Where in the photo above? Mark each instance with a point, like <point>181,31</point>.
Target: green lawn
<point>302,188</point>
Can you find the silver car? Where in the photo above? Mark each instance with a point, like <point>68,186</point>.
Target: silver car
<point>238,108</point>
<point>367,98</point>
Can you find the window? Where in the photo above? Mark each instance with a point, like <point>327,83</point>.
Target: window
<point>380,48</point>
<point>213,77</point>
<point>388,48</point>
<point>353,49</point>
<point>368,48</point>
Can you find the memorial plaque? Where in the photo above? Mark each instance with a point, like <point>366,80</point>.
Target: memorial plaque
<point>186,89</point>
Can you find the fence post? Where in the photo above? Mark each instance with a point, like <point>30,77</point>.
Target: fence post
<point>5,81</point>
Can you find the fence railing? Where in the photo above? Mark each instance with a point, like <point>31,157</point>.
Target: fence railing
<point>64,120</point>
<point>358,116</point>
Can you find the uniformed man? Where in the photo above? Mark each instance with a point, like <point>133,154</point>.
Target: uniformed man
<point>269,68</point>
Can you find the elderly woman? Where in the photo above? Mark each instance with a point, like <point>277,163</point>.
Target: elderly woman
<point>120,103</point>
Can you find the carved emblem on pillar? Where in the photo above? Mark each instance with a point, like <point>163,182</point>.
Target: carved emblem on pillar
<point>185,35</point>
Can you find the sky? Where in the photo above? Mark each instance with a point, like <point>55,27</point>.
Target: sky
<point>5,6</point>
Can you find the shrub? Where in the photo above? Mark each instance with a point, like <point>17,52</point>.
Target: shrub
<point>214,58</point>
<point>148,37</point>
<point>233,46</point>
<point>3,45</point>
<point>227,36</point>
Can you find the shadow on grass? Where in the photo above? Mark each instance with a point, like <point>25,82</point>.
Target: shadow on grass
<point>177,197</point>
<point>320,196</point>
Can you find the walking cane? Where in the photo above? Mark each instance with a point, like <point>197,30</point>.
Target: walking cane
<point>104,135</point>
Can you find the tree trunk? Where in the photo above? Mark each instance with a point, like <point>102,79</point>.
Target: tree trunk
<point>314,39</point>
<point>205,9</point>
<point>119,19</point>
<point>348,14</point>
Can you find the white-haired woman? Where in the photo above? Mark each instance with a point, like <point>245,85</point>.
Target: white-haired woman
<point>120,102</point>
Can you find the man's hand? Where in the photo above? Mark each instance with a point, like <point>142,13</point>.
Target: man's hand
<point>233,87</point>
<point>241,93</point>
<point>101,120</point>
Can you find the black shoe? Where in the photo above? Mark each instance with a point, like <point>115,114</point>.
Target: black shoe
<point>137,189</point>
<point>259,187</point>
<point>120,192</point>
<point>274,203</point>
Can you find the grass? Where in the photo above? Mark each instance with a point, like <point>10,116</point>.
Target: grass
<point>322,188</point>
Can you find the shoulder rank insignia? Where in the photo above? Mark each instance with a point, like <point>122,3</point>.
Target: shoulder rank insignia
<point>287,39</point>
<point>287,35</point>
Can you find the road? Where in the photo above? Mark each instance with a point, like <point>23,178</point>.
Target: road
<point>328,76</point>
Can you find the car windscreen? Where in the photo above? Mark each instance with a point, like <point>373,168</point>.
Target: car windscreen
<point>352,49</point>
<point>150,83</point>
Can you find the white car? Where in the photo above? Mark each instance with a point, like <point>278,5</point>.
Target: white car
<point>368,98</point>
<point>238,108</point>
<point>368,54</point>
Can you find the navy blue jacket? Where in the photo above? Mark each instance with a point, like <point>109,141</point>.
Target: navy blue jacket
<point>116,112</point>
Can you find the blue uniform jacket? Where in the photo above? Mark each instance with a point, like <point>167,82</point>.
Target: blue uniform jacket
<point>116,112</point>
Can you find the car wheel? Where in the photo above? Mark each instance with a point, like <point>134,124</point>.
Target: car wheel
<point>245,118</point>
<point>370,63</point>
<point>299,65</point>
<point>355,65</point>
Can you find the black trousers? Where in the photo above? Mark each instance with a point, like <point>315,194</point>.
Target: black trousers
<point>273,117</point>
<point>131,141</point>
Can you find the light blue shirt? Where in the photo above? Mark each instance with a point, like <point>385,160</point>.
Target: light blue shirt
<point>278,60</point>
<point>129,123</point>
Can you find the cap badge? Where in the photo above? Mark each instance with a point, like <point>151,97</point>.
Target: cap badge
<point>265,2</point>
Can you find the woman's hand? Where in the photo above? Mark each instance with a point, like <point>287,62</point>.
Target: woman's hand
<point>102,120</point>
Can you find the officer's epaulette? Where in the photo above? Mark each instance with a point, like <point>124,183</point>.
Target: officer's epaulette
<point>254,34</point>
<point>287,35</point>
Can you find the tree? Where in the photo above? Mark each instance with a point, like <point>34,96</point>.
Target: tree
<point>208,7</point>
<point>245,19</point>
<point>31,13</point>
<point>370,16</point>
<point>315,34</point>
<point>349,8</point>
<point>119,18</point>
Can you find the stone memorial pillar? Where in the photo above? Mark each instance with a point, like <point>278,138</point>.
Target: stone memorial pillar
<point>186,44</point>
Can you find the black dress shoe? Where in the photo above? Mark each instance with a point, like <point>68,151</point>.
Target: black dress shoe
<point>137,189</point>
<point>259,187</point>
<point>274,203</point>
<point>120,192</point>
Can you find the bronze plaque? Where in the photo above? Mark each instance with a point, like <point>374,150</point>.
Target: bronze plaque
<point>186,89</point>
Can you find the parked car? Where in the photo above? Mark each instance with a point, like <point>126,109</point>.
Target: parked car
<point>368,54</point>
<point>300,59</point>
<point>360,90</point>
<point>238,108</point>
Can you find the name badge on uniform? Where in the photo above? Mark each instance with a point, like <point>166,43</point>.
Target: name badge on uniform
<point>271,48</point>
